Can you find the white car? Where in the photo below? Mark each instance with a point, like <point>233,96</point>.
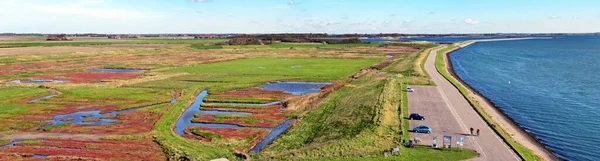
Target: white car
<point>408,89</point>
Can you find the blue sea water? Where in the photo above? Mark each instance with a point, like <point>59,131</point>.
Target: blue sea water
<point>551,87</point>
<point>451,39</point>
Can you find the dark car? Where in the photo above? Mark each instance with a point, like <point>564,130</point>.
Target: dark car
<point>416,116</point>
<point>422,129</point>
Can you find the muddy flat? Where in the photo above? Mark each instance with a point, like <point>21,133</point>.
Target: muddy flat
<point>64,49</point>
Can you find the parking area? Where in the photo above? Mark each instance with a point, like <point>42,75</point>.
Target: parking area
<point>428,101</point>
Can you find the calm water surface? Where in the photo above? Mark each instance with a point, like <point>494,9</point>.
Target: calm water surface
<point>550,87</point>
<point>451,39</point>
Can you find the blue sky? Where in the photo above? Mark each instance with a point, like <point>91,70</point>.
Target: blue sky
<point>280,16</point>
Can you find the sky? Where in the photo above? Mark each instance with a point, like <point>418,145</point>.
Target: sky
<point>299,16</point>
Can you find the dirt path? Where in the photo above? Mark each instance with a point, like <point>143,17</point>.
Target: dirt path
<point>488,144</point>
<point>32,136</point>
<point>54,91</point>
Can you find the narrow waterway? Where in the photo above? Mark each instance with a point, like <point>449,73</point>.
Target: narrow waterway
<point>295,88</point>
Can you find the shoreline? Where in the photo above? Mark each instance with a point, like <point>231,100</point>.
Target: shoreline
<point>514,129</point>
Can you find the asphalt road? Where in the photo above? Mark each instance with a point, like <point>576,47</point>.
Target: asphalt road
<point>428,102</point>
<point>447,112</point>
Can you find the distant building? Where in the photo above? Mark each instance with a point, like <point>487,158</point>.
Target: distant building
<point>59,37</point>
<point>123,36</point>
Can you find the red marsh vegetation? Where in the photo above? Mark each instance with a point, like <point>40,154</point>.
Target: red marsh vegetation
<point>84,150</point>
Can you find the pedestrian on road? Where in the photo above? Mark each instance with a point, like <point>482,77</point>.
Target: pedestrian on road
<point>477,132</point>
<point>471,131</point>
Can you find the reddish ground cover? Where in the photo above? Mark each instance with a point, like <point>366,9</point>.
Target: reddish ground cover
<point>269,109</point>
<point>128,123</point>
<point>90,77</point>
<point>247,93</point>
<point>3,73</point>
<point>86,150</point>
<point>11,67</point>
<point>254,120</point>
<point>256,135</point>
<point>68,108</point>
<point>270,116</point>
<point>40,67</point>
<point>28,66</point>
<point>332,87</point>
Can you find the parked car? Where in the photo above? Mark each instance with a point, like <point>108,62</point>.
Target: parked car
<point>422,129</point>
<point>408,89</point>
<point>416,116</point>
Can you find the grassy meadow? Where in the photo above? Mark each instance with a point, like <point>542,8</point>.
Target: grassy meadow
<point>325,69</point>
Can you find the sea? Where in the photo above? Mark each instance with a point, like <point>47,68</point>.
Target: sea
<point>451,39</point>
<point>445,39</point>
<point>550,87</point>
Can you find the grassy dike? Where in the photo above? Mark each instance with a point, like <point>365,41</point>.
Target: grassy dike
<point>524,152</point>
<point>360,120</point>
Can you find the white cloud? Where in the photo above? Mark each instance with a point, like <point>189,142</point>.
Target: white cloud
<point>201,1</point>
<point>280,7</point>
<point>284,6</point>
<point>8,2</point>
<point>86,10</point>
<point>92,1</point>
<point>471,21</point>
<point>408,21</point>
<point>553,17</point>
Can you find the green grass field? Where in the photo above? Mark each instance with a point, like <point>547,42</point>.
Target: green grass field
<point>202,46</point>
<point>12,107</point>
<point>123,98</point>
<point>325,69</point>
<point>3,141</point>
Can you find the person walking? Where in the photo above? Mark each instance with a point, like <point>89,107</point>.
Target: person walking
<point>477,132</point>
<point>471,131</point>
